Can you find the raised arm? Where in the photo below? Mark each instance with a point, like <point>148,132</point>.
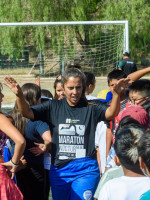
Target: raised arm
<point>21,102</point>
<point>138,74</point>
<point>114,108</point>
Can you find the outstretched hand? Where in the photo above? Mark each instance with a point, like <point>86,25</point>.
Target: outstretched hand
<point>13,85</point>
<point>121,85</point>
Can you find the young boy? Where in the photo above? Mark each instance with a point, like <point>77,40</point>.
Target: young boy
<point>144,159</point>
<point>139,92</point>
<point>112,78</point>
<point>133,184</point>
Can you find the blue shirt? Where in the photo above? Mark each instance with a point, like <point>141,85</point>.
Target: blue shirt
<point>33,133</point>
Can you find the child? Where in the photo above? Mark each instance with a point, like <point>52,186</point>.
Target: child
<point>59,91</point>
<point>144,159</point>
<point>133,183</point>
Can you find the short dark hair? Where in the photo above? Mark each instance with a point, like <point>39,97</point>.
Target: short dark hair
<point>144,149</point>
<point>126,53</point>
<point>116,74</point>
<point>46,93</point>
<point>142,86</point>
<point>90,78</point>
<point>126,148</point>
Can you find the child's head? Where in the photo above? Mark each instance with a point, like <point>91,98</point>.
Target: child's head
<point>126,147</point>
<point>46,95</point>
<point>32,93</point>
<point>114,76</point>
<point>59,90</point>
<point>139,91</point>
<point>136,112</point>
<point>90,82</point>
<point>127,122</point>
<point>144,153</point>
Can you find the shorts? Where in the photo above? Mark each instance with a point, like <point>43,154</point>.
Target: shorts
<point>76,180</point>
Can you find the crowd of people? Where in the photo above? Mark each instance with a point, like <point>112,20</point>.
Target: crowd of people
<point>77,145</point>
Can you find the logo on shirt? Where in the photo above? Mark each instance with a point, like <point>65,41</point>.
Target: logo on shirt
<point>87,195</point>
<point>73,121</point>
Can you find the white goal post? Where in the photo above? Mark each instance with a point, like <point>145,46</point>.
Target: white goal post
<point>118,40</point>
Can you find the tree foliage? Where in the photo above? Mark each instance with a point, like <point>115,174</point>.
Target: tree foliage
<point>136,12</point>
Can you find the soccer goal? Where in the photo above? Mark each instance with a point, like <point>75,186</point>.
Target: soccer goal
<point>46,48</point>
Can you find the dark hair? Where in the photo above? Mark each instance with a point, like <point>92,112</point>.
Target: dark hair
<point>90,78</point>
<point>129,122</point>
<point>126,54</point>
<point>76,73</point>
<point>142,86</point>
<point>73,65</point>
<point>46,93</point>
<point>32,93</point>
<point>1,87</point>
<point>144,149</point>
<point>116,74</point>
<point>57,81</point>
<point>126,147</point>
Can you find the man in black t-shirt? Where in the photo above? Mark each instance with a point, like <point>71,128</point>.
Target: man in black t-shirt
<point>126,64</point>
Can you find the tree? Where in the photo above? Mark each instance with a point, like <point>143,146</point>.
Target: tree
<point>41,11</point>
<point>137,13</point>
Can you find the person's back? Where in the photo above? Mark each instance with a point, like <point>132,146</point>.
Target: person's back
<point>144,156</point>
<point>133,184</point>
<point>127,65</point>
<point>124,188</point>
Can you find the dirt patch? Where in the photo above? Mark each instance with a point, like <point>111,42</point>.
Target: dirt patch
<point>46,83</point>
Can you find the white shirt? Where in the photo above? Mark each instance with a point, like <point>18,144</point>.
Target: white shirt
<point>124,188</point>
<point>90,97</point>
<point>100,141</point>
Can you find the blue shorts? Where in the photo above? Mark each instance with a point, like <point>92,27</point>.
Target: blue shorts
<point>76,180</point>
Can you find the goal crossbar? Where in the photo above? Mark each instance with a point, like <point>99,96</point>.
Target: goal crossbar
<point>74,23</point>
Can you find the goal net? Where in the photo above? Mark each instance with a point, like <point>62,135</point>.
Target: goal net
<point>47,48</point>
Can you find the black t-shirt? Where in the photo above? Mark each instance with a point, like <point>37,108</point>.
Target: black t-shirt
<point>129,66</point>
<point>73,128</point>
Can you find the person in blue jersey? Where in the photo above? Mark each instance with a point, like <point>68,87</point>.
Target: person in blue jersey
<point>74,170</point>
